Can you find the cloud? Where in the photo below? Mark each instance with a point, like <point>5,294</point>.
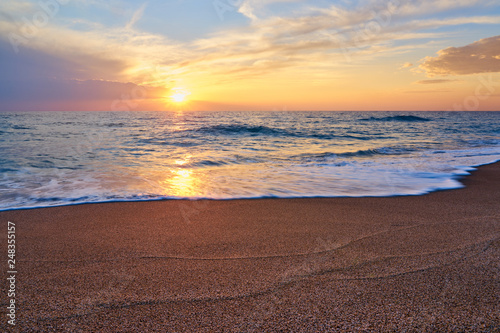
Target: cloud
<point>71,90</point>
<point>482,56</point>
<point>136,17</point>
<point>435,81</point>
<point>312,38</point>
<point>54,94</point>
<point>406,65</point>
<point>330,33</point>
<point>103,53</point>
<point>427,91</point>
<point>334,33</point>
<point>35,80</point>
<point>419,7</point>
<point>249,8</point>
<point>10,8</point>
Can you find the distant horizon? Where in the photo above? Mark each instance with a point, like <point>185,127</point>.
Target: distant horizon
<point>181,111</point>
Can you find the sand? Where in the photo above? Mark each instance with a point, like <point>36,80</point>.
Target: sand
<point>402,264</point>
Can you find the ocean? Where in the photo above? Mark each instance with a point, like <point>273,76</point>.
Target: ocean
<point>60,158</point>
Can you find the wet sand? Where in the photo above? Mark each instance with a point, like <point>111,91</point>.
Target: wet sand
<point>417,263</point>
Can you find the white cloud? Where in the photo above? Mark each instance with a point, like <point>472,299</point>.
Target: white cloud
<point>136,16</point>
<point>251,8</point>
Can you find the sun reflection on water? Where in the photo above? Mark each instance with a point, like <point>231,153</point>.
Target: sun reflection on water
<point>181,183</point>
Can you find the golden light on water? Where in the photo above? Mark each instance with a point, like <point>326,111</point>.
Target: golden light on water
<point>182,183</point>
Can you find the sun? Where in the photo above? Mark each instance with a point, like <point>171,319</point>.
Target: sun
<point>178,98</point>
<point>179,95</point>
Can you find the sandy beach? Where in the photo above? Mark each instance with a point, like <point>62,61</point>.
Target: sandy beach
<point>417,264</point>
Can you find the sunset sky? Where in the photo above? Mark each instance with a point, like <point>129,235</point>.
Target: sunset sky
<point>249,55</point>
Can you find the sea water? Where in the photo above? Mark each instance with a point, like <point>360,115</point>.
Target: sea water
<point>58,158</point>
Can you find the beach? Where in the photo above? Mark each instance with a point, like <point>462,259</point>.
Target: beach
<point>249,166</point>
<point>416,263</point>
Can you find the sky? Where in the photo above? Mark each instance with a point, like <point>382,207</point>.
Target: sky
<point>122,55</point>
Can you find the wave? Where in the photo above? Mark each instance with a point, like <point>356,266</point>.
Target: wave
<point>206,163</point>
<point>20,127</point>
<point>242,129</point>
<point>116,125</point>
<point>359,153</point>
<point>229,130</point>
<point>378,151</point>
<point>397,118</point>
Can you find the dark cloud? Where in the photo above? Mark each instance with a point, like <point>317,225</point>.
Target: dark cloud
<point>482,56</point>
<point>34,80</point>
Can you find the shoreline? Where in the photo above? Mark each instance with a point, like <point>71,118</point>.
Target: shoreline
<point>423,262</point>
<point>458,178</point>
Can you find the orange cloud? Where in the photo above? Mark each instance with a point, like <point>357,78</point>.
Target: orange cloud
<point>435,81</point>
<point>482,56</point>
